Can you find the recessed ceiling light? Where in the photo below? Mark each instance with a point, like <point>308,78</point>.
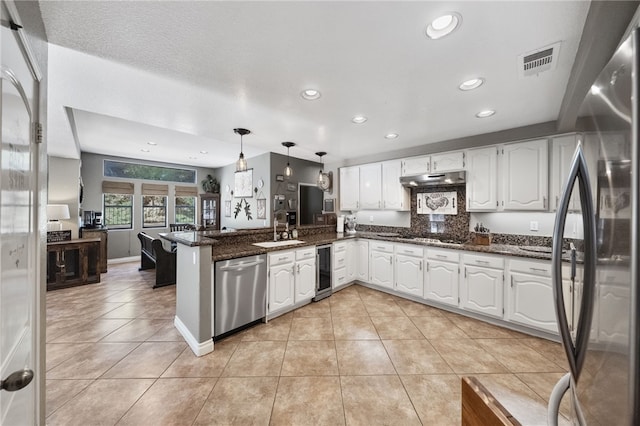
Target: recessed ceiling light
<point>391,136</point>
<point>443,25</point>
<point>471,84</point>
<point>193,158</point>
<point>310,94</point>
<point>359,119</point>
<point>486,113</point>
<point>204,152</point>
<point>152,143</point>
<point>144,150</point>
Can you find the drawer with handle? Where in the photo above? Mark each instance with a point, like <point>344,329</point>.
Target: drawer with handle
<point>339,247</point>
<point>409,250</point>
<point>339,277</point>
<point>339,259</point>
<point>530,267</point>
<point>443,255</point>
<point>281,257</point>
<point>380,246</point>
<point>495,262</point>
<point>306,253</point>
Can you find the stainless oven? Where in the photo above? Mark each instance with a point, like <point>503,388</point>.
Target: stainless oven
<point>323,272</point>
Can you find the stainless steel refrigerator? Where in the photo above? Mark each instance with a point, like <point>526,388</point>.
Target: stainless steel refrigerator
<point>598,319</point>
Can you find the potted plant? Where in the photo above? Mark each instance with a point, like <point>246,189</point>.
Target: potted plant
<point>210,185</point>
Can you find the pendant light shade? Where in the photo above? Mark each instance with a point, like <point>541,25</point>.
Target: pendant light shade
<point>288,171</point>
<point>241,164</point>
<point>321,176</point>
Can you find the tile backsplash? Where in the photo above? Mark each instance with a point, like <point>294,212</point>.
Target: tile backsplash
<point>452,226</point>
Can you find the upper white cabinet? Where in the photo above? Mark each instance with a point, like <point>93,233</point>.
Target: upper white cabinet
<point>394,195</point>
<point>416,165</point>
<point>349,188</point>
<point>482,179</point>
<point>562,151</point>
<point>371,186</point>
<point>447,162</point>
<point>525,175</point>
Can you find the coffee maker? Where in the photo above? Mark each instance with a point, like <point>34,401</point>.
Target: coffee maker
<point>92,219</point>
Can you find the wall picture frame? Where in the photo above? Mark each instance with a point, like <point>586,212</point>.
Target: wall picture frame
<point>329,205</point>
<point>227,208</point>
<point>243,187</point>
<point>279,178</point>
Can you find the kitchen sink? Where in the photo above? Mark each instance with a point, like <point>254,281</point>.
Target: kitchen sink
<point>271,244</point>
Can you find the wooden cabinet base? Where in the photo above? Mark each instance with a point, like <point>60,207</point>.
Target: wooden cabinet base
<point>73,263</point>
<point>480,408</point>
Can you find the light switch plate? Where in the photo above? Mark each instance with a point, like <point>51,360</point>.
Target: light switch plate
<point>533,225</point>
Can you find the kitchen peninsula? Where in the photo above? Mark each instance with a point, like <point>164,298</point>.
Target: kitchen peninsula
<point>457,276</point>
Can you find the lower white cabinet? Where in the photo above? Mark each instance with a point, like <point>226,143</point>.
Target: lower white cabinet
<point>530,295</point>
<point>409,274</point>
<point>362,260</point>
<point>292,277</point>
<point>381,264</point>
<point>442,276</point>
<point>281,286</point>
<point>305,280</point>
<point>339,273</point>
<point>482,287</point>
<point>614,305</point>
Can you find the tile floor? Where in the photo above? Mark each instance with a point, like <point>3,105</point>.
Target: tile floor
<point>360,357</point>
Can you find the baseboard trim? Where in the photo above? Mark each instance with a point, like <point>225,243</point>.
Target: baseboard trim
<point>198,348</point>
<point>123,260</point>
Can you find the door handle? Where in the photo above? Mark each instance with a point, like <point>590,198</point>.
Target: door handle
<point>575,353</point>
<point>17,380</point>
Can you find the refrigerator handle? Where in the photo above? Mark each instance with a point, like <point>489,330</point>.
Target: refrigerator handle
<point>553,410</point>
<point>575,354</point>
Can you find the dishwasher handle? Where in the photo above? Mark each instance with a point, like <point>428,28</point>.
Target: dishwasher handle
<point>241,266</point>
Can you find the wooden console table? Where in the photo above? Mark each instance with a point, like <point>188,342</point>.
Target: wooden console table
<point>74,262</point>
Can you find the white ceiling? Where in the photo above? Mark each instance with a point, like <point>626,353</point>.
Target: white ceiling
<point>184,74</point>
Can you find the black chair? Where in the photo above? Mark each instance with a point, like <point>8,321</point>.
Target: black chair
<point>154,256</point>
<point>177,227</point>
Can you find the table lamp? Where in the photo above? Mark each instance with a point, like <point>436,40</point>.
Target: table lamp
<point>56,212</point>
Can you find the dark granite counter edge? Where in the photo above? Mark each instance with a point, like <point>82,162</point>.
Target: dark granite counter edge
<point>189,238</point>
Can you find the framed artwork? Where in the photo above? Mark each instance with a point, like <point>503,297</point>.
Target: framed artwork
<point>227,208</point>
<point>329,205</point>
<point>279,178</point>
<point>243,184</point>
<point>262,208</point>
<point>291,187</point>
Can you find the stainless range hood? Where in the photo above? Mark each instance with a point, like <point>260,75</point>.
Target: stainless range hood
<point>436,179</point>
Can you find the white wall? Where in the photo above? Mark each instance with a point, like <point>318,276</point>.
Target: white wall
<point>64,183</point>
<point>520,223</point>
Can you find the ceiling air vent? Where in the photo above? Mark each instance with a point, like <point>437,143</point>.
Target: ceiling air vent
<point>538,61</point>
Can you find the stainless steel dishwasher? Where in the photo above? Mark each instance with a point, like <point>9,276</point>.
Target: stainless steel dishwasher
<point>240,293</point>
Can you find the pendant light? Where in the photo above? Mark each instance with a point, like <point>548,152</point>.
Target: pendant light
<point>288,171</point>
<point>321,176</point>
<point>241,164</point>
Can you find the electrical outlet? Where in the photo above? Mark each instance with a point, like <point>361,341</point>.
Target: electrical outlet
<point>371,219</point>
<point>533,225</point>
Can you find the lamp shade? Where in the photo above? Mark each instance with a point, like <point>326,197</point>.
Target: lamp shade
<point>58,211</point>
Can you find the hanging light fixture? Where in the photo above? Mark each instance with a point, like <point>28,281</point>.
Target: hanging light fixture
<point>321,181</point>
<point>241,164</point>
<point>288,171</point>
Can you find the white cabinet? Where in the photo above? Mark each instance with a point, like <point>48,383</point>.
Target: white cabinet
<point>305,285</point>
<point>442,276</point>
<point>562,151</point>
<point>362,260</point>
<point>394,195</point>
<point>381,264</point>
<point>530,294</point>
<point>482,287</point>
<point>614,305</point>
<point>416,165</point>
<point>349,188</point>
<point>281,280</point>
<point>339,252</point>
<point>371,186</point>
<point>525,175</point>
<point>409,274</point>
<point>447,162</point>
<point>482,179</point>
<point>352,261</point>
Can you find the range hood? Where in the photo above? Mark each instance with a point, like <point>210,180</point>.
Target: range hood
<point>436,179</point>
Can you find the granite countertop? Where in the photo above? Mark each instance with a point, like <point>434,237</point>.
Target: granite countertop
<point>226,252</point>
<point>190,238</point>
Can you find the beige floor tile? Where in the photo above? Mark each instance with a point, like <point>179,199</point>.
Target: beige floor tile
<point>385,308</point>
<point>170,402</point>
<point>321,309</point>
<point>92,331</point>
<point>57,353</point>
<point>138,330</point>
<point>277,329</point>
<point>376,400</point>
<point>103,402</point>
<point>165,310</point>
<point>149,360</point>
<point>239,401</point>
<point>434,327</point>
<point>347,308</point>
<point>308,401</point>
<point>310,358</point>
<point>362,357</point>
<point>354,328</point>
<point>92,362</point>
<point>167,333</point>
<point>415,357</point>
<point>465,356</point>
<point>127,310</point>
<point>551,350</point>
<point>414,309</point>
<point>392,328</point>
<point>256,359</point>
<point>61,391</point>
<point>518,357</point>
<point>209,365</point>
<point>311,329</point>
<point>482,330</point>
<point>436,398</point>
<point>542,384</point>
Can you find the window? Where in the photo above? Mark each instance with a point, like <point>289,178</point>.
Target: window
<point>185,210</point>
<point>121,169</point>
<point>154,211</point>
<point>118,210</point>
